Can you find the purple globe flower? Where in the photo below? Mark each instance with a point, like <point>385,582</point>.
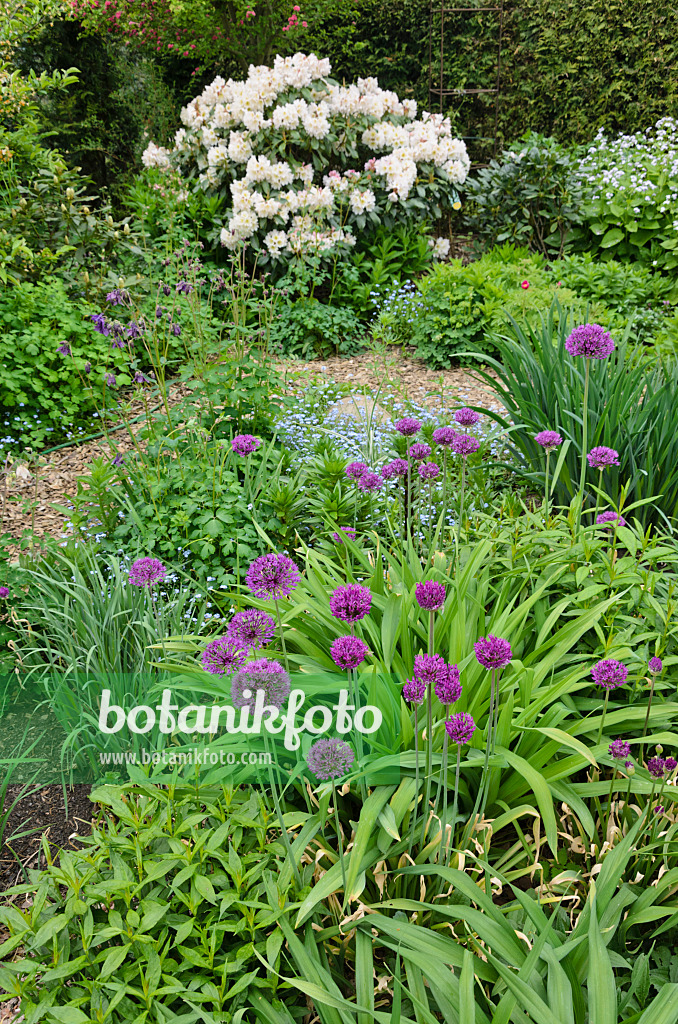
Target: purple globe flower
<point>465,445</point>
<point>4,592</point>
<point>146,571</point>
<point>659,809</point>
<point>348,531</point>
<point>448,690</point>
<point>369,482</point>
<point>430,668</point>
<point>330,759</point>
<point>245,444</point>
<point>268,676</point>
<point>590,341</point>
<point>656,767</point>
<point>492,652</point>
<point>460,728</point>
<point>670,763</point>
<point>414,691</point>
<point>430,595</point>
<point>602,457</point>
<point>444,436</point>
<point>355,470</point>
<point>607,518</point>
<point>655,666</point>
<point>272,577</point>
<point>253,628</point>
<point>429,470</point>
<point>223,656</point>
<point>419,450</point>
<point>407,426</point>
<point>619,749</point>
<point>548,439</point>
<point>349,651</point>
<point>394,469</point>
<point>351,602</point>
<point>466,417</point>
<point>609,673</point>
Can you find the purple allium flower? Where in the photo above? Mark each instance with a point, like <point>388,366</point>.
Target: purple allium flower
<point>64,349</point>
<point>253,628</point>
<point>609,673</point>
<point>414,691</point>
<point>590,341</point>
<point>448,690</point>
<point>118,460</point>
<point>348,530</point>
<point>133,329</point>
<point>355,470</point>
<point>444,436</point>
<point>430,668</point>
<point>460,728</point>
<point>369,482</point>
<point>465,444</point>
<point>146,571</point>
<point>245,444</point>
<point>548,439</point>
<point>429,470</point>
<point>619,749</point>
<point>655,666</point>
<point>670,763</point>
<point>656,767</point>
<point>223,656</point>
<point>118,297</point>
<point>607,518</point>
<point>4,592</point>
<point>419,451</point>
<point>493,652</point>
<point>101,324</point>
<point>393,469</point>
<point>407,426</point>
<point>351,602</point>
<point>348,651</point>
<point>110,380</point>
<point>185,287</point>
<point>659,809</point>
<point>601,457</point>
<point>268,676</point>
<point>272,577</point>
<point>330,759</point>
<point>88,367</point>
<point>430,595</point>
<point>466,417</point>
<point>176,329</point>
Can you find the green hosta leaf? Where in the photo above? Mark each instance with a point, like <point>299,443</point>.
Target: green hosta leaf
<point>611,237</point>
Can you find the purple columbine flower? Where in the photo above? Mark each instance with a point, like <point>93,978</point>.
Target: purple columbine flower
<point>351,602</point>
<point>348,530</point>
<point>134,329</point>
<point>609,673</point>
<point>262,674</point>
<point>245,444</point>
<point>465,445</point>
<point>430,668</point>
<point>492,652</point>
<point>590,341</point>
<point>460,728</point>
<point>369,482</point>
<point>548,439</point>
<point>118,297</point>
<point>448,689</point>
<point>657,767</point>
<point>444,436</point>
<point>349,651</point>
<point>101,324</point>
<point>655,666</point>
<point>64,349</point>
<point>419,451</point>
<point>272,576</point>
<point>330,759</point>
<point>176,329</point>
<point>430,595</point>
<point>185,287</point>
<point>429,470</point>
<point>140,378</point>
<point>118,460</point>
<point>414,691</point>
<point>146,571</point>
<point>607,518</point>
<point>466,417</point>
<point>253,628</point>
<point>670,763</point>
<point>4,592</point>
<point>87,367</point>
<point>619,749</point>
<point>355,470</point>
<point>158,312</point>
<point>110,380</point>
<point>602,457</point>
<point>394,469</point>
<point>407,426</point>
<point>223,656</point>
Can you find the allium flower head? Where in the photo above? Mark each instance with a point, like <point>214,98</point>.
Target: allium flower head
<point>548,439</point>
<point>419,450</point>
<point>414,691</point>
<point>466,417</point>
<point>394,469</point>
<point>670,763</point>
<point>590,341</point>
<point>245,444</point>
<point>330,759</point>
<point>223,655</point>
<point>146,571</point>
<point>609,673</point>
<point>460,728</point>
<point>601,457</point>
<point>657,767</point>
<point>272,577</point>
<point>430,668</point>
<point>351,602</point>
<point>355,470</point>
<point>465,445</point>
<point>430,595</point>
<point>407,426</point>
<point>619,749</point>
<point>659,809</point>
<point>655,666</point>
<point>444,436</point>
<point>4,591</point>
<point>348,531</point>
<point>253,627</point>
<point>349,651</point>
<point>492,652</point>
<point>607,518</point>
<point>448,689</point>
<point>262,674</point>
<point>429,470</point>
<point>369,482</point>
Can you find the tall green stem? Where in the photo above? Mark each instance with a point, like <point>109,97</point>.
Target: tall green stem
<point>647,719</point>
<point>416,783</point>
<point>546,491</point>
<point>609,804</point>
<point>585,438</point>
<point>461,509</point>
<point>282,636</point>
<point>340,844</point>
<point>602,720</point>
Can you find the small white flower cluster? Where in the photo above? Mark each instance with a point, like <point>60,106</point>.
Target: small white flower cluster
<point>233,128</point>
<point>440,246</point>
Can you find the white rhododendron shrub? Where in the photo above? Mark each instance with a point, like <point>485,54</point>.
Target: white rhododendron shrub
<point>305,164</point>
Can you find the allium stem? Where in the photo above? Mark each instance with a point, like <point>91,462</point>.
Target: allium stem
<point>443,783</point>
<point>444,494</point>
<point>602,720</point>
<point>413,823</point>
<point>585,437</point>
<point>600,484</point>
<point>429,757</point>
<point>281,822</point>
<point>546,491</point>
<point>647,719</point>
<point>355,694</point>
<point>456,804</point>
<point>609,803</point>
<point>282,636</point>
<point>340,844</point>
<point>461,510</point>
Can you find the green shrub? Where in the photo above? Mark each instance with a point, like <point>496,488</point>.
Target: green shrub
<point>307,328</point>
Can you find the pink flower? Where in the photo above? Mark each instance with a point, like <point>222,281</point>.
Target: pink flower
<point>525,284</point>
<point>304,24</point>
